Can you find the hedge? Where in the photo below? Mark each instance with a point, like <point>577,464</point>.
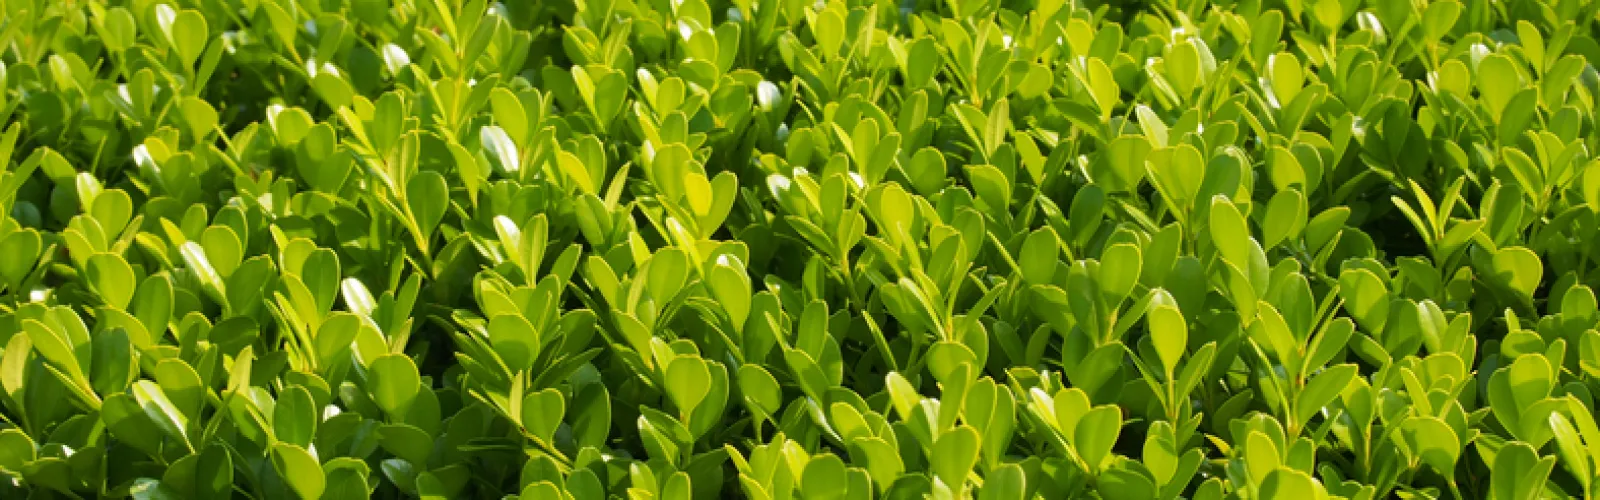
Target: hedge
<point>821,249</point>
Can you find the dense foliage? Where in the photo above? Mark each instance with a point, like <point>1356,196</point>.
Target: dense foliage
<point>993,249</point>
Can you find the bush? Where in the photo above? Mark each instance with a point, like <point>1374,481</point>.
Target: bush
<point>993,249</point>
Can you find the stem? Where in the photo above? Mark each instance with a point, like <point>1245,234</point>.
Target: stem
<point>553,452</point>
<point>860,304</point>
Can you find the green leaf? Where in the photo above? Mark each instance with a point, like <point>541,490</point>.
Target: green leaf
<point>1519,472</point>
<point>687,381</point>
<point>954,454</point>
<point>111,277</point>
<point>407,442</point>
<point>214,473</point>
<point>332,342</point>
<point>1229,232</point>
<point>1119,271</point>
<point>199,118</point>
<point>182,385</point>
<point>151,489</point>
<point>393,382</point>
<point>1124,163</point>
<point>1287,77</point>
<point>1103,86</point>
<point>1286,218</point>
<point>1286,482</point>
<point>188,34</point>
<point>118,29</point>
<point>1438,19</point>
<point>1431,440</point>
<point>542,412</point>
<point>299,470</point>
<point>223,249</point>
<point>760,390</point>
<point>16,450</point>
<point>1095,435</point>
<point>731,287</point>
<point>1497,80</point>
<point>1039,257</point>
<point>1169,334</point>
<point>295,416</point>
<point>1322,390</point>
<point>22,251</point>
<point>1007,482</point>
<point>129,424</point>
<point>429,198</point>
<point>1519,269</point>
<point>160,409</point>
<point>1183,67</point>
<point>516,341</point>
<point>1121,483</point>
<point>1365,297</point>
<point>1329,14</point>
<point>112,208</point>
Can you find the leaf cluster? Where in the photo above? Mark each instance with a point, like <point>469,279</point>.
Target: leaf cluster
<point>775,249</point>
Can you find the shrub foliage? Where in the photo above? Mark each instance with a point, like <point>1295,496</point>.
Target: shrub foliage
<point>992,249</point>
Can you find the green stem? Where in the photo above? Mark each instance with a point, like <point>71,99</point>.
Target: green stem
<point>860,304</point>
